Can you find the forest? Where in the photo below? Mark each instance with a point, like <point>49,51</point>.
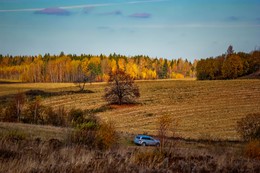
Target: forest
<point>96,68</point>
<point>90,68</point>
<point>229,66</point>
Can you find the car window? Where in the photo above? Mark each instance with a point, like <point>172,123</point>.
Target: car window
<point>146,138</point>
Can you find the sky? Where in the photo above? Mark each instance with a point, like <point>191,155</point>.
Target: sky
<point>189,29</point>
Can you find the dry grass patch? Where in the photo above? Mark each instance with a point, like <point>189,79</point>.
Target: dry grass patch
<point>35,131</point>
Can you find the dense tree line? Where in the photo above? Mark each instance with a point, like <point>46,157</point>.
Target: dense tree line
<point>228,66</point>
<point>71,68</point>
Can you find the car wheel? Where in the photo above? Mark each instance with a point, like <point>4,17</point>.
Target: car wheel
<point>143,144</point>
<point>158,144</point>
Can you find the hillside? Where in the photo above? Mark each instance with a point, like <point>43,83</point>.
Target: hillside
<point>202,109</point>
<point>229,66</point>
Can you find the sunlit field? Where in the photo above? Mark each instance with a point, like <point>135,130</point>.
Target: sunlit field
<point>200,109</point>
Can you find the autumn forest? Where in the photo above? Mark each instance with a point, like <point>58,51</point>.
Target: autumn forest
<point>90,68</point>
<point>71,68</point>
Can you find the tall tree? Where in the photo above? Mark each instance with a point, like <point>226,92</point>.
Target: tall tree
<point>232,67</point>
<point>230,50</point>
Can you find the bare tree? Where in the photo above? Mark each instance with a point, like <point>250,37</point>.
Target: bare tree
<point>81,79</point>
<point>121,88</point>
<point>81,82</point>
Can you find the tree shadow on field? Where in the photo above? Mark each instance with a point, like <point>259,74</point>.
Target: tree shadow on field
<point>32,94</point>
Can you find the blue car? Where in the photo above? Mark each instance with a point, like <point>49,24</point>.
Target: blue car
<point>146,140</point>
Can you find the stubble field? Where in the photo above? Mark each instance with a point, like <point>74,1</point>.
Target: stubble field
<point>200,109</point>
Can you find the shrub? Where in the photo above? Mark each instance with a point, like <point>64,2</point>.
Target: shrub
<point>9,115</point>
<point>34,112</point>
<point>56,118</point>
<point>164,125</point>
<point>85,134</point>
<point>106,136</point>
<point>76,116</point>
<point>252,149</point>
<point>249,127</point>
<point>94,134</point>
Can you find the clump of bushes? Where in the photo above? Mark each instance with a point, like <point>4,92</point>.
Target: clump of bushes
<point>93,133</point>
<point>56,118</point>
<point>85,134</point>
<point>9,113</point>
<point>249,127</point>
<point>107,136</point>
<point>76,116</point>
<point>88,130</point>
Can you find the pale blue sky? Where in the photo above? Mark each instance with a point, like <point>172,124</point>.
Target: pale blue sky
<point>171,29</point>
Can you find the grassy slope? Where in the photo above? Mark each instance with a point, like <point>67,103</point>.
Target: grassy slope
<point>34,131</point>
<point>203,109</point>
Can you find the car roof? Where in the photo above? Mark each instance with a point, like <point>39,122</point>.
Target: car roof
<point>143,136</point>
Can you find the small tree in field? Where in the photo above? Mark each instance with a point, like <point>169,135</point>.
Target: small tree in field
<point>81,79</point>
<point>164,125</point>
<point>121,88</point>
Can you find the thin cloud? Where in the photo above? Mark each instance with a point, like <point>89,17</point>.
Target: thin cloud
<point>53,11</point>
<point>115,13</point>
<point>88,9</point>
<point>84,6</point>
<point>233,18</point>
<point>103,27</point>
<point>148,1</point>
<point>23,10</point>
<point>141,15</point>
<point>181,26</point>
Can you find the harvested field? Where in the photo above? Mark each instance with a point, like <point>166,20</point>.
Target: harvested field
<point>203,109</point>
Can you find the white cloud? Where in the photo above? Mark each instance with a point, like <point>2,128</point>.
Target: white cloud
<point>85,5</point>
<point>186,26</point>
